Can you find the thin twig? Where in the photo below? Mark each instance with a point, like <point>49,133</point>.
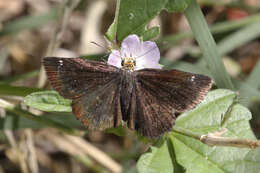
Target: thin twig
<point>214,139</point>
<point>32,157</point>
<point>56,39</point>
<point>82,150</point>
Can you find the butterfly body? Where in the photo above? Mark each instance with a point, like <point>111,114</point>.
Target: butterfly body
<point>103,95</point>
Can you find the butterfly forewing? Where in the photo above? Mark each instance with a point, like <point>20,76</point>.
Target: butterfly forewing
<point>73,77</point>
<point>181,90</point>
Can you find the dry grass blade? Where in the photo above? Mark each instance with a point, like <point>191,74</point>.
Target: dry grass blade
<point>32,158</point>
<point>76,146</point>
<point>95,153</point>
<point>67,8</point>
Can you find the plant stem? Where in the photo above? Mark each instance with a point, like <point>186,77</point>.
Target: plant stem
<point>212,139</point>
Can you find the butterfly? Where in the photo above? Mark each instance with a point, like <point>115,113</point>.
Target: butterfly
<point>103,95</point>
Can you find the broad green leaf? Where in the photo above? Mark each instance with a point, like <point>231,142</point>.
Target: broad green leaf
<point>134,15</point>
<point>177,5</point>
<point>151,33</point>
<point>49,101</point>
<point>217,111</point>
<point>211,110</point>
<point>158,160</point>
<point>111,32</point>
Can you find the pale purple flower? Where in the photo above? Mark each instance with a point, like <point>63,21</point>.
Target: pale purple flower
<point>146,54</point>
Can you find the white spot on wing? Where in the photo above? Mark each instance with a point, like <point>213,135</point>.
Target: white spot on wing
<point>192,78</point>
<point>61,62</point>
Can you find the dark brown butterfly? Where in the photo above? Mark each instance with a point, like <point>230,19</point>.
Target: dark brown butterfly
<point>104,95</point>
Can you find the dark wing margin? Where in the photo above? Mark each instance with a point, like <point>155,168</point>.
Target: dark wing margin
<point>93,86</point>
<point>73,77</point>
<point>181,90</point>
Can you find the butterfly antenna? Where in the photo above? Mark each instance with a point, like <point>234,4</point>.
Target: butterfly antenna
<point>99,45</point>
<point>108,50</point>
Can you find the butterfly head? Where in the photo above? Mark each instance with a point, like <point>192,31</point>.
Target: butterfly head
<point>128,63</point>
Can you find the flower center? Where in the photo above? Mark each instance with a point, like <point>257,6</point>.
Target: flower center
<point>128,63</point>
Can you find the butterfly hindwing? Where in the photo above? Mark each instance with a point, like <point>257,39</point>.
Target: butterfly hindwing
<point>153,116</point>
<point>101,108</point>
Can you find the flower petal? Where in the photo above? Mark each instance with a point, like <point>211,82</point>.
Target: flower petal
<point>130,46</point>
<point>114,58</point>
<point>149,56</point>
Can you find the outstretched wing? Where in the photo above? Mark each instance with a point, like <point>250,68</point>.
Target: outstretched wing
<point>74,77</point>
<point>89,84</point>
<point>161,92</point>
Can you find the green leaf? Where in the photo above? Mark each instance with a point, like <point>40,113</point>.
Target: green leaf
<point>158,160</point>
<point>211,110</point>
<point>217,111</point>
<point>133,16</point>
<point>151,33</point>
<point>49,101</point>
<point>112,30</point>
<point>177,5</point>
